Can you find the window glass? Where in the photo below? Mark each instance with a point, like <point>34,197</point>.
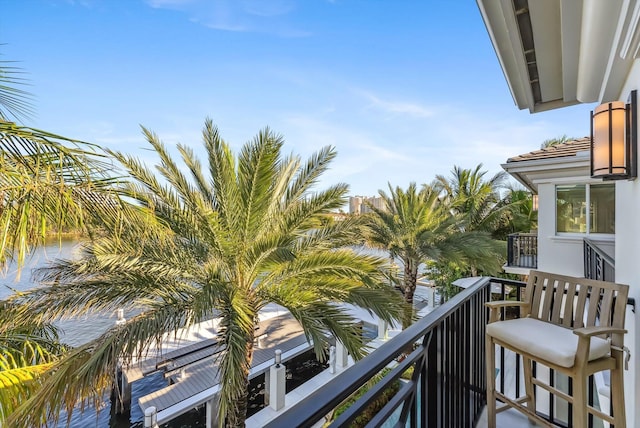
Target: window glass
<point>571,212</point>
<point>571,208</point>
<point>603,208</point>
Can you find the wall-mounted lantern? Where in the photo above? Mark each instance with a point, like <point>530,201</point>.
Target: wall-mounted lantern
<point>534,203</point>
<point>614,140</point>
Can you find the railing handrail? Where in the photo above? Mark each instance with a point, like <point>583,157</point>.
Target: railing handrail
<point>325,399</point>
<point>607,258</point>
<point>446,387</point>
<point>510,282</point>
<point>523,234</point>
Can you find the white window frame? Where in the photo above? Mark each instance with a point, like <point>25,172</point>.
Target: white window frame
<point>587,233</point>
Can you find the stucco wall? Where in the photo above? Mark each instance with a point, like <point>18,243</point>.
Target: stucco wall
<point>628,263</point>
<point>555,253</point>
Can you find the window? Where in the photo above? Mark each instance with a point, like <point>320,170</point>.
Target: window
<point>572,215</point>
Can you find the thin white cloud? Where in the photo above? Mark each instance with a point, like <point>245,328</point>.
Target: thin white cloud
<point>468,138</point>
<point>257,16</point>
<point>363,156</point>
<point>396,107</point>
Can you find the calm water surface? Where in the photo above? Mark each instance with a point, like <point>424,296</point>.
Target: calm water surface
<point>81,330</point>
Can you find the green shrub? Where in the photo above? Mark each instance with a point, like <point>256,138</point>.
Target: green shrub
<point>407,373</point>
<point>370,411</point>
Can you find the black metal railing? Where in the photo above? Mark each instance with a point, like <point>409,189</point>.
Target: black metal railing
<point>522,250</point>
<point>448,384</point>
<point>598,264</point>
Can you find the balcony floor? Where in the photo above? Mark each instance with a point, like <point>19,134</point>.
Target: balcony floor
<point>508,419</point>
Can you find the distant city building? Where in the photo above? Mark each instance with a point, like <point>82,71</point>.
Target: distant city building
<point>355,204</point>
<point>360,204</point>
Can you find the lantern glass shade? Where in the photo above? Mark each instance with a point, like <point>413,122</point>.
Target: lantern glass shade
<point>609,145</point>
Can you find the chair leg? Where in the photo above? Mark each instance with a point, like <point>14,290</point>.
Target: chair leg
<point>491,382</point>
<point>580,401</point>
<point>528,384</point>
<point>617,397</point>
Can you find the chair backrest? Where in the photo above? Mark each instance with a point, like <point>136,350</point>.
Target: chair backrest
<point>575,302</point>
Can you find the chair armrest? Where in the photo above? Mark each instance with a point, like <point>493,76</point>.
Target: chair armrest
<point>494,314</point>
<point>504,303</point>
<point>597,331</point>
<point>584,340</point>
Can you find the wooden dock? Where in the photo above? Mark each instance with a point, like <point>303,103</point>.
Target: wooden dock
<point>194,369</point>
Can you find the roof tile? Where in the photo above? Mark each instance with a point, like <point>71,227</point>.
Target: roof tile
<point>570,148</point>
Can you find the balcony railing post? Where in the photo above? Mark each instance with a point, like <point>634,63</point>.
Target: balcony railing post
<point>432,380</point>
<point>522,250</point>
<point>448,385</point>
<point>510,245</point>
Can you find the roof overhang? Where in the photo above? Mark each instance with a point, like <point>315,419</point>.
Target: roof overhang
<point>530,172</point>
<point>558,53</point>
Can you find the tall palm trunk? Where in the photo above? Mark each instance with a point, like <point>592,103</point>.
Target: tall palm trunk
<point>238,409</point>
<point>474,270</point>
<point>409,286</point>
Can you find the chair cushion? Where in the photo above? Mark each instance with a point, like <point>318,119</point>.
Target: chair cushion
<point>544,340</point>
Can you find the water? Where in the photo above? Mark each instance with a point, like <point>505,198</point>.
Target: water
<point>82,330</point>
<point>73,332</point>
<point>79,331</point>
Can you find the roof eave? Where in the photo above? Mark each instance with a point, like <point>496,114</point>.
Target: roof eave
<point>577,51</point>
<point>521,170</point>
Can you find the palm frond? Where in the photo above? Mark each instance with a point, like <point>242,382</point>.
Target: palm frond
<point>250,232</point>
<point>15,103</point>
<point>85,374</point>
<point>48,183</point>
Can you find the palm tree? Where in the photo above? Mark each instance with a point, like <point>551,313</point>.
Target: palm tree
<point>478,203</point>
<point>415,226</point>
<point>551,142</point>
<point>519,215</point>
<point>470,195</point>
<point>14,102</point>
<point>48,184</point>
<point>27,350</point>
<point>226,240</point>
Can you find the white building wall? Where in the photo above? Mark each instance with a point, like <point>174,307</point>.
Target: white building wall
<point>628,272</point>
<point>628,263</point>
<point>561,255</point>
<point>564,255</point>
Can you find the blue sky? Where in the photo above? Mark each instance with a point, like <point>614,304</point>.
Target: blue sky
<point>404,90</point>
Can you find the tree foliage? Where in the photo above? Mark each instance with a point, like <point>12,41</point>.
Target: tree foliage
<point>48,184</point>
<point>15,103</point>
<point>27,350</point>
<point>416,226</point>
<point>221,240</point>
<point>552,142</point>
<point>476,199</point>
